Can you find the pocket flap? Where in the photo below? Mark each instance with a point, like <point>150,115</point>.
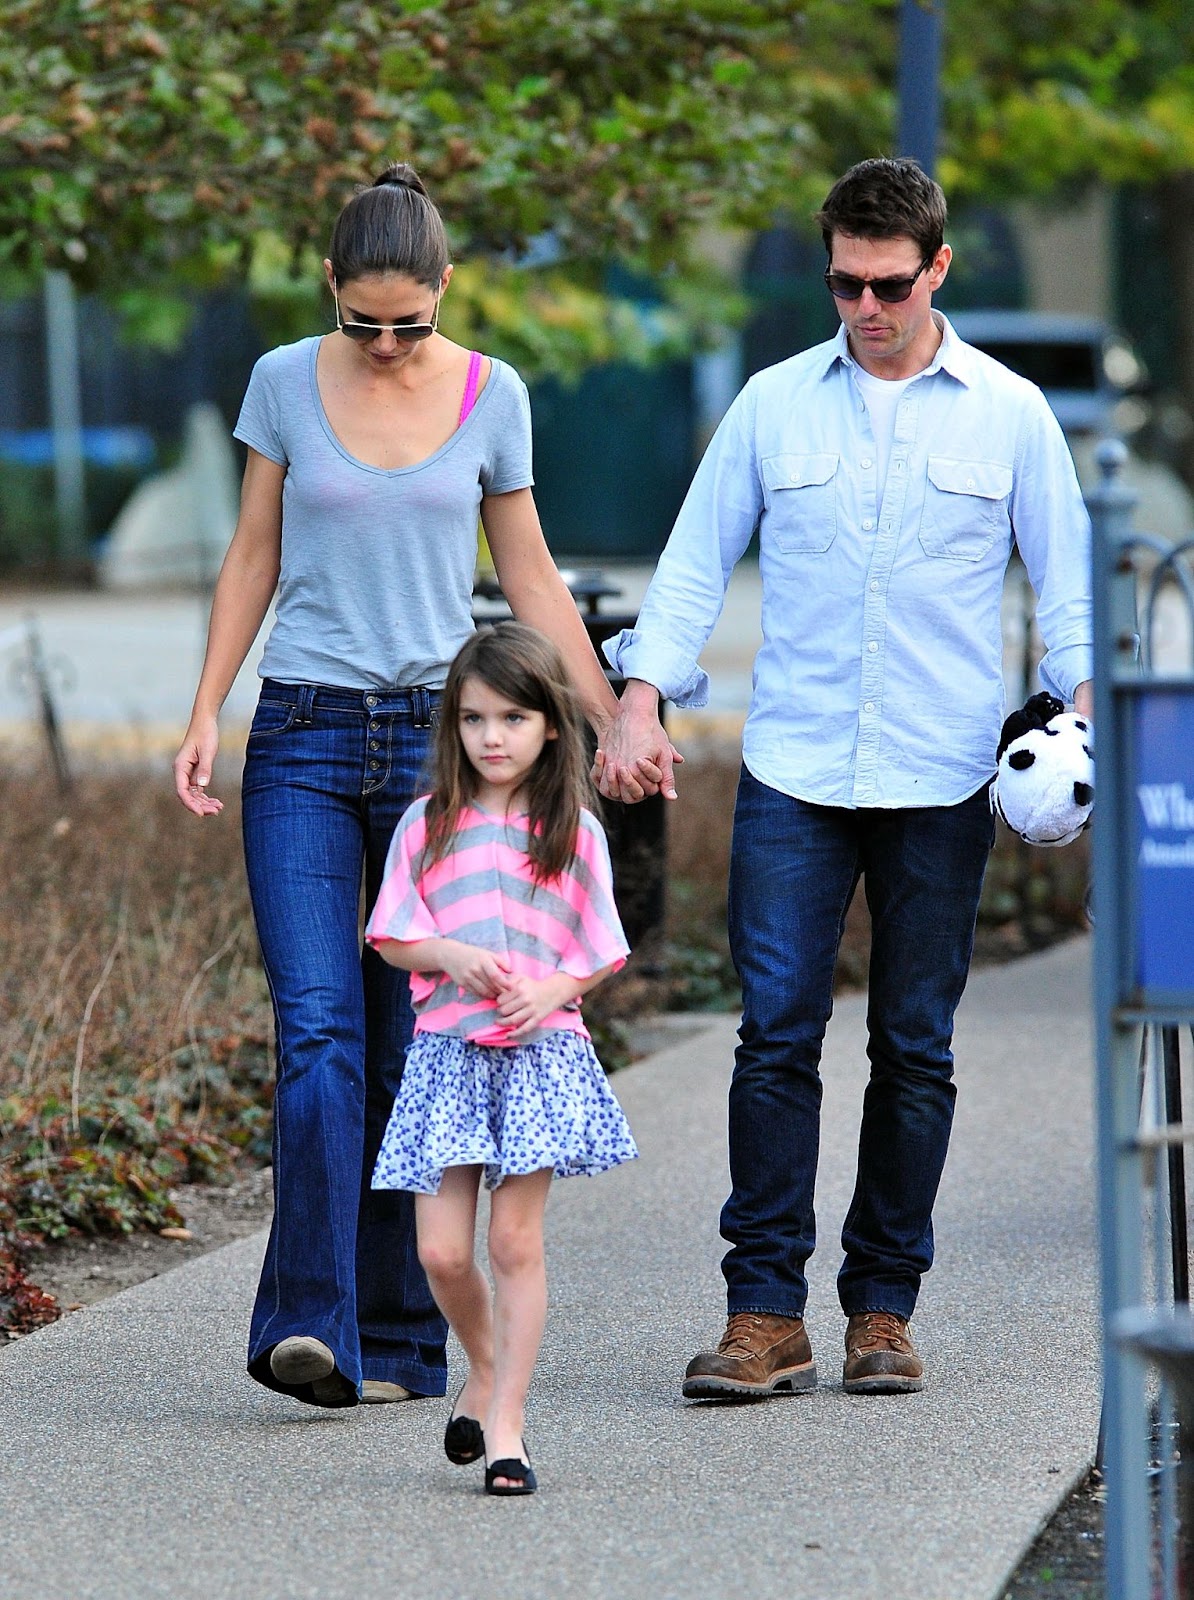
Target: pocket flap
<point>798,472</point>
<point>990,480</point>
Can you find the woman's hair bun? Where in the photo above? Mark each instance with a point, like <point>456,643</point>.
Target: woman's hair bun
<point>403,176</point>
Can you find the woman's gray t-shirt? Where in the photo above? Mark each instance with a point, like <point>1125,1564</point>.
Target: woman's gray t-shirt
<point>375,590</point>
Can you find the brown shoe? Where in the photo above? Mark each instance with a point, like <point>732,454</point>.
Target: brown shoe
<point>759,1354</point>
<point>880,1355</point>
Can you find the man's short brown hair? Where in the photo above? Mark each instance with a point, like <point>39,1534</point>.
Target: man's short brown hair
<point>886,198</point>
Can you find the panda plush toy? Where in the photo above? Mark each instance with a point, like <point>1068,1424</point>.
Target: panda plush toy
<point>1044,788</point>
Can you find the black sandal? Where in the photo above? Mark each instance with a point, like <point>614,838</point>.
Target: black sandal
<point>521,1475</point>
<point>464,1442</point>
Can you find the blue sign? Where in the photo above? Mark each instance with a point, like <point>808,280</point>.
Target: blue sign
<point>1163,841</point>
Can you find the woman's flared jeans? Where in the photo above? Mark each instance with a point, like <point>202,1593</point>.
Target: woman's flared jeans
<point>328,773</point>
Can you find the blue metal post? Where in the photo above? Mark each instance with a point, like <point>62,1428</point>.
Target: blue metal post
<point>917,80</point>
<point>1120,1172</point>
<point>62,366</point>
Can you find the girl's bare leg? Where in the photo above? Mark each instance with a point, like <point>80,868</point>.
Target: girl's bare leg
<point>446,1223</point>
<point>520,1306</point>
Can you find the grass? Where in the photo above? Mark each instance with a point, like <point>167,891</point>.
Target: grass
<point>135,1023</point>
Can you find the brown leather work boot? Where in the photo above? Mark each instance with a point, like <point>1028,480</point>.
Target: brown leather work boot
<point>759,1354</point>
<point>880,1355</point>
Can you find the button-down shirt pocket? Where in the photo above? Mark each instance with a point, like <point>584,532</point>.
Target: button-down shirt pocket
<point>965,507</point>
<point>800,502</point>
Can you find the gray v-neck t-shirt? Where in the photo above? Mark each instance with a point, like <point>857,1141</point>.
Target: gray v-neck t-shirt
<point>375,590</point>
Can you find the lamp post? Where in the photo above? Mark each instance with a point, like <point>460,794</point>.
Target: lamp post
<point>917,80</point>
<point>66,426</point>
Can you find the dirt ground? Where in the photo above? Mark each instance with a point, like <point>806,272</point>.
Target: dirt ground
<point>1066,1561</point>
<point>79,1271</point>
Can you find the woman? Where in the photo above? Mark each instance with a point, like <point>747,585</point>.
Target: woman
<point>370,452</point>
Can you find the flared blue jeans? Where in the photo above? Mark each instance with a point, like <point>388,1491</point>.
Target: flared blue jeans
<point>328,773</point>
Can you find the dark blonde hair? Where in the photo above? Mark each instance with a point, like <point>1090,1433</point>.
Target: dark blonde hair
<point>391,226</point>
<point>524,667</point>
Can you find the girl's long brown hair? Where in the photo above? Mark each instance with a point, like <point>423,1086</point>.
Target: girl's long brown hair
<point>524,667</point>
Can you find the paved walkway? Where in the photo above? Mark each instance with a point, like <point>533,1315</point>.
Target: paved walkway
<point>138,1461</point>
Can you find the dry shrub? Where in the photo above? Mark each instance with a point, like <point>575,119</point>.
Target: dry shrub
<point>131,958</point>
<point>134,1018</point>
<point>699,827</point>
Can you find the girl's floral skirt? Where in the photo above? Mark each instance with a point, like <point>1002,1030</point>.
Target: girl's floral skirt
<point>510,1110</point>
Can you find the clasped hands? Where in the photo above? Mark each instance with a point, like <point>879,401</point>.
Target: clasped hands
<point>522,1002</point>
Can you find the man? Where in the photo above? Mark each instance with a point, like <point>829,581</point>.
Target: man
<point>887,473</point>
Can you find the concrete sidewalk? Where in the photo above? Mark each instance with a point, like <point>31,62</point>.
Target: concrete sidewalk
<point>139,1461</point>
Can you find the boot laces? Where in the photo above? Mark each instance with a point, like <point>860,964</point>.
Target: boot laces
<point>739,1332</point>
<point>877,1328</point>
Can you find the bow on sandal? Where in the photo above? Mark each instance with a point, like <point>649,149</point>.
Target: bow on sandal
<point>463,1440</point>
<point>520,1473</point>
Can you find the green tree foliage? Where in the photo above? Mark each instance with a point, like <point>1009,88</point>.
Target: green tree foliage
<point>1054,94</point>
<point>185,142</point>
<point>150,136</point>
<point>154,146</point>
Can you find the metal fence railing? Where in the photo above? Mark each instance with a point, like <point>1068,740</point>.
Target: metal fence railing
<point>1144,1009</point>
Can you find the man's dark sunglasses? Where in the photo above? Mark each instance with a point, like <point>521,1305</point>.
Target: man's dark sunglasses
<point>891,291</point>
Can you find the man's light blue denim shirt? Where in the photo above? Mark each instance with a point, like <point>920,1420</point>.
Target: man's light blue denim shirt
<point>879,681</point>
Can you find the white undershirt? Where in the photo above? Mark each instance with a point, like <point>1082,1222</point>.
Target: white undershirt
<point>882,396</point>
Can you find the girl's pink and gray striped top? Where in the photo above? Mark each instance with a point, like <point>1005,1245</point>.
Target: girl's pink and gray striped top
<point>483,893</point>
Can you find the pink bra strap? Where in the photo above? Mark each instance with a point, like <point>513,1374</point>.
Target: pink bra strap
<point>470,386</point>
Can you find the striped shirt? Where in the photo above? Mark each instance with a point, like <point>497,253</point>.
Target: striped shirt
<point>483,893</point>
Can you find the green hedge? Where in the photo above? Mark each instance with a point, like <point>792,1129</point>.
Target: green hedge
<point>28,529</point>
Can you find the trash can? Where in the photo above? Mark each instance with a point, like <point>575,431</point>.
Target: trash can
<point>637,834</point>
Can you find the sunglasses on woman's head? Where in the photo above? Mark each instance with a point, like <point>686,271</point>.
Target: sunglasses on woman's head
<point>366,332</point>
<point>891,291</point>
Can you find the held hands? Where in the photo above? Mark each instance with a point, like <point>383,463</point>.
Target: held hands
<point>635,757</point>
<point>192,767</point>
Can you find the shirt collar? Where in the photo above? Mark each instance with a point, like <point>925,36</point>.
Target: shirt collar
<point>953,354</point>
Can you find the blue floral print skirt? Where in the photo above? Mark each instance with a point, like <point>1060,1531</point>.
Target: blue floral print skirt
<point>511,1110</point>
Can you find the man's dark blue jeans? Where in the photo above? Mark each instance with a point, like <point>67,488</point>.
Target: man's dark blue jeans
<point>328,772</point>
<point>794,869</point>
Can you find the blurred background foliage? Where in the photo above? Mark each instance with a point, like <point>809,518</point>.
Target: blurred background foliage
<point>156,147</point>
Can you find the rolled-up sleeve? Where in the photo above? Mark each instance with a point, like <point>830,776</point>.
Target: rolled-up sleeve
<point>1052,531</point>
<point>720,514</point>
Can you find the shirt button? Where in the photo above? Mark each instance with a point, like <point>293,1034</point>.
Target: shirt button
<point>970,483</point>
<point>868,705</point>
<point>874,586</point>
<point>866,462</point>
<point>868,524</point>
<point>872,647</point>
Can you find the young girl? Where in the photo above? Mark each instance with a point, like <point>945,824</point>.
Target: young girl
<point>498,899</point>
